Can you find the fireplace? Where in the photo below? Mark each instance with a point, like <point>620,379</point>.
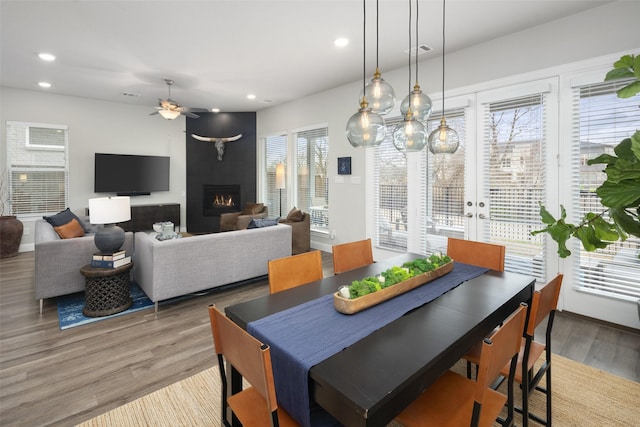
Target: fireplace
<point>218,199</point>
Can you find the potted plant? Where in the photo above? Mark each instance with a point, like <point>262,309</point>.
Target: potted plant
<point>11,228</point>
<point>619,193</point>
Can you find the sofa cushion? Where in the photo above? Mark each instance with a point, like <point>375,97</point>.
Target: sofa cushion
<point>252,208</point>
<point>63,218</point>
<point>262,222</point>
<point>70,230</point>
<point>295,215</point>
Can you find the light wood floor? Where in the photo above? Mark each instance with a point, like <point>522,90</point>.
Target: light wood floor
<point>50,377</point>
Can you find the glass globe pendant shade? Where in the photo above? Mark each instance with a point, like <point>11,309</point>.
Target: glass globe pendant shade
<point>443,140</point>
<point>419,102</point>
<point>410,135</point>
<point>365,128</point>
<point>380,94</point>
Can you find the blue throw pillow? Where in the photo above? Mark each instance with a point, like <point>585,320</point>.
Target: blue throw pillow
<point>262,222</point>
<point>65,217</point>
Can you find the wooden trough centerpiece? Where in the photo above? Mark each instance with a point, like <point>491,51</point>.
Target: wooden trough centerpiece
<point>351,305</point>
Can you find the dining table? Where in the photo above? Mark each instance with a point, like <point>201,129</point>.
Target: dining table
<point>376,362</point>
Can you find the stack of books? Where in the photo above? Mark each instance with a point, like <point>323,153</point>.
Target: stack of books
<point>110,259</point>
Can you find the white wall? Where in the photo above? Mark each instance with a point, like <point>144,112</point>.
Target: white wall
<point>601,31</point>
<point>97,126</point>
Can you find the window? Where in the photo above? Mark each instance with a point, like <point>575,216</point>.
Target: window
<point>514,159</point>
<point>601,121</point>
<point>275,152</point>
<point>312,181</point>
<point>390,181</point>
<point>443,195</point>
<point>37,161</point>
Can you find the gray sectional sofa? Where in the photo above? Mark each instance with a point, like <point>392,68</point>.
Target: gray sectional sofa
<point>171,268</point>
<point>58,261</point>
<point>163,269</point>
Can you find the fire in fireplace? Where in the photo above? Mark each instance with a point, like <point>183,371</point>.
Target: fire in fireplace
<point>219,199</point>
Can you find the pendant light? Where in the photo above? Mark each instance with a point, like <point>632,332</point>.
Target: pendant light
<point>410,135</point>
<point>365,128</point>
<point>443,140</point>
<point>421,104</point>
<point>380,94</point>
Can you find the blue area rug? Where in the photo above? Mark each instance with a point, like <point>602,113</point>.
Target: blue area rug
<point>70,308</point>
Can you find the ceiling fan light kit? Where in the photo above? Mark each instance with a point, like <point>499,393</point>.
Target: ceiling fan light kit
<point>169,109</point>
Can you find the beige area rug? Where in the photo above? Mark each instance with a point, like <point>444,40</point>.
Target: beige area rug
<point>582,397</point>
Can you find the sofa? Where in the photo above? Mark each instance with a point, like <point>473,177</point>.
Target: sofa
<point>172,268</point>
<point>232,221</point>
<point>301,233</point>
<point>58,261</point>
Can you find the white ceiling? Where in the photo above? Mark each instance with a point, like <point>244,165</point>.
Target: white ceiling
<point>219,51</point>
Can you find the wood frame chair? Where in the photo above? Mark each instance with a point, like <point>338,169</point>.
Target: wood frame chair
<point>543,306</point>
<point>347,256</point>
<point>294,270</point>
<point>481,254</point>
<point>454,400</point>
<point>256,405</point>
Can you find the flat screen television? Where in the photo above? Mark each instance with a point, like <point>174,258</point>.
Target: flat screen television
<point>130,175</point>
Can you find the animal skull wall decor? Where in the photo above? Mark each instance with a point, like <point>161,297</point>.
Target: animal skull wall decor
<point>218,142</point>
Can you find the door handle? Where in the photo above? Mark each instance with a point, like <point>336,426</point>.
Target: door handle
<point>469,215</point>
<point>482,216</point>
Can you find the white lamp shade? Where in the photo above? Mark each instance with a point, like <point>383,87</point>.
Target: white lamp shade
<point>280,178</point>
<point>169,114</point>
<point>109,210</point>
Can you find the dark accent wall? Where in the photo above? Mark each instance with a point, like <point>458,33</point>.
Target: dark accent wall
<point>238,165</point>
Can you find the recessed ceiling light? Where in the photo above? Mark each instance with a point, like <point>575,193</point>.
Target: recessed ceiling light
<point>44,84</point>
<point>251,96</point>
<point>215,110</point>
<point>341,41</point>
<point>131,94</point>
<point>47,56</point>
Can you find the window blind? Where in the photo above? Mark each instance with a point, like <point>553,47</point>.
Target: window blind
<point>514,136</point>
<point>600,120</point>
<point>37,161</point>
<point>275,152</point>
<point>390,181</point>
<point>312,189</point>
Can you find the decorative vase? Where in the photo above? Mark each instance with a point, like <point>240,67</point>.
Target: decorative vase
<point>10,235</point>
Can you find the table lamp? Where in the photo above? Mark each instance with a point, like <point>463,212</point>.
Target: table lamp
<point>280,181</point>
<point>108,211</point>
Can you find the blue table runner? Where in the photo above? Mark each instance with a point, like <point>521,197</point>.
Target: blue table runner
<point>307,334</point>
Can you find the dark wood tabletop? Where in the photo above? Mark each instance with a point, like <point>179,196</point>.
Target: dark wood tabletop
<point>371,381</point>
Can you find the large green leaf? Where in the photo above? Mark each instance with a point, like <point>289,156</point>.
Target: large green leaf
<point>589,240</point>
<point>635,143</point>
<point>603,158</point>
<point>623,170</point>
<point>546,217</point>
<point>629,90</point>
<point>619,195</point>
<point>623,150</point>
<point>628,223</point>
<point>603,229</point>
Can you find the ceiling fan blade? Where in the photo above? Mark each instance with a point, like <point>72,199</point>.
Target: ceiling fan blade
<point>188,114</point>
<point>196,110</point>
<point>155,112</point>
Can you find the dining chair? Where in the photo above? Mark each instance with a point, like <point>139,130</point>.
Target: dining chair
<point>347,256</point>
<point>454,400</point>
<point>481,254</point>
<point>256,405</point>
<point>294,270</point>
<point>543,306</point>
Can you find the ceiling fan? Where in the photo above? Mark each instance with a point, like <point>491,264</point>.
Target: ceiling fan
<point>170,109</point>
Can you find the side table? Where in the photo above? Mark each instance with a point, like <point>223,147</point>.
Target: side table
<point>107,290</point>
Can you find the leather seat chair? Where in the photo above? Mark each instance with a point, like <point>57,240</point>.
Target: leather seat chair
<point>231,221</point>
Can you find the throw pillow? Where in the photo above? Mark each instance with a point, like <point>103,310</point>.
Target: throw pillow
<point>295,215</point>
<point>64,217</point>
<point>70,230</point>
<point>252,208</point>
<point>262,222</point>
